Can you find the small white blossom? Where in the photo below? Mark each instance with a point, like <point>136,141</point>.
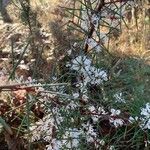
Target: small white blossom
<point>80,62</point>
<point>146,111</point>
<point>102,111</point>
<point>91,135</point>
<point>54,145</point>
<point>145,124</point>
<point>23,66</point>
<point>72,105</point>
<point>116,121</point>
<point>145,117</point>
<point>69,51</point>
<point>92,109</point>
<point>115,112</point>
<point>119,98</point>
<point>133,119</point>
<point>70,138</point>
<point>91,74</point>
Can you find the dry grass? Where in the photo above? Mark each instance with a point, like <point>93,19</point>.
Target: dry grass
<point>50,18</point>
<point>133,42</point>
<point>48,10</point>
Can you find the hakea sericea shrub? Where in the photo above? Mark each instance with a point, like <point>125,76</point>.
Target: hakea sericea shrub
<point>100,109</point>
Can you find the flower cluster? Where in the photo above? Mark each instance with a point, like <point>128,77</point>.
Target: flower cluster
<point>70,140</point>
<point>145,113</point>
<point>144,118</point>
<point>91,74</point>
<point>114,119</point>
<point>43,129</point>
<point>119,97</point>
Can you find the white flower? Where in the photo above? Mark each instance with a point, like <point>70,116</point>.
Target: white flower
<point>90,134</point>
<point>54,145</point>
<point>118,98</point>
<point>116,122</point>
<point>95,118</point>
<point>82,86</point>
<point>90,73</point>
<point>68,64</point>
<point>115,112</point>
<point>146,111</point>
<point>92,109</point>
<point>147,124</point>
<point>133,119</point>
<point>80,63</point>
<point>72,105</point>
<point>1,127</point>
<point>101,111</point>
<point>97,76</point>
<point>69,51</point>
<point>145,117</point>
<point>23,66</point>
<point>90,139</point>
<point>103,75</point>
<point>70,138</point>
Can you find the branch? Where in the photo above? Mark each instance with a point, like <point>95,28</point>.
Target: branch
<point>92,28</point>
